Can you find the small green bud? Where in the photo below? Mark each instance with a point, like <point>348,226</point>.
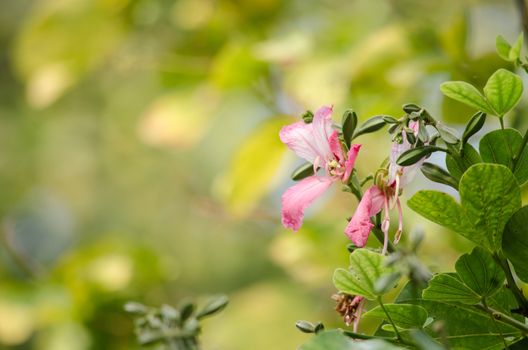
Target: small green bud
<point>371,125</point>
<point>414,155</point>
<point>215,305</point>
<point>349,123</point>
<point>308,117</point>
<point>186,309</point>
<point>319,327</point>
<point>474,125</point>
<point>411,107</point>
<point>437,174</point>
<point>389,120</point>
<point>409,134</point>
<point>305,326</point>
<point>446,134</point>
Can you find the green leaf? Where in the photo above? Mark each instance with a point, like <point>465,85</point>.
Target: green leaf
<point>467,94</point>
<point>404,316</point>
<point>414,155</point>
<point>465,326</point>
<point>501,146</point>
<point>503,90</point>
<point>515,242</point>
<point>479,272</point>
<point>503,48</point>
<point>489,196</point>
<point>448,288</point>
<point>515,51</point>
<point>366,267</point>
<point>423,341</point>
<point>336,340</point>
<point>443,210</point>
<point>458,165</point>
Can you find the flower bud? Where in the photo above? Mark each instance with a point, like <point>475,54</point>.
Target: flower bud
<point>349,123</point>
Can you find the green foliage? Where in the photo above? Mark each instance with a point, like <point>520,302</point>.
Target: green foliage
<point>336,340</point>
<point>515,242</point>
<point>462,325</point>
<point>177,328</point>
<point>489,196</point>
<point>480,272</point>
<point>508,52</point>
<point>405,316</point>
<point>458,164</point>
<point>467,94</point>
<point>504,147</point>
<point>501,93</point>
<point>366,267</point>
<point>477,277</point>
<point>446,287</point>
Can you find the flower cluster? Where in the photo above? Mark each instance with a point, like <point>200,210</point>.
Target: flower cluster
<point>319,143</point>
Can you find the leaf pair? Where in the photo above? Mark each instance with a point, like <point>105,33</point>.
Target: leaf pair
<point>489,196</point>
<point>509,52</point>
<point>477,277</point>
<point>501,93</point>
<point>366,269</point>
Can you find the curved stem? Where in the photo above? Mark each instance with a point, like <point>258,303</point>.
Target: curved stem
<point>517,292</point>
<point>497,315</point>
<point>390,319</point>
<point>495,324</point>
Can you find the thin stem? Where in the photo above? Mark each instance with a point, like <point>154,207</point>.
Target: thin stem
<point>504,318</point>
<point>519,296</point>
<point>501,120</point>
<point>381,238</point>
<point>495,324</point>
<point>390,319</point>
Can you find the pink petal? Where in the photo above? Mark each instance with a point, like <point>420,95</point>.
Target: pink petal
<point>300,196</point>
<point>335,146</point>
<point>351,160</point>
<point>299,138</point>
<point>322,130</point>
<point>359,227</point>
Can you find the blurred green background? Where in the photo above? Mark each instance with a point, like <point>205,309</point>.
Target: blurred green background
<point>140,159</point>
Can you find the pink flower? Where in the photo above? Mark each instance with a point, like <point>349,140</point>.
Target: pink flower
<point>319,144</point>
<point>384,196</point>
<point>358,229</point>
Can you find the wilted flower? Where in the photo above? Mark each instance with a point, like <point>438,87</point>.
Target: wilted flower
<point>350,307</point>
